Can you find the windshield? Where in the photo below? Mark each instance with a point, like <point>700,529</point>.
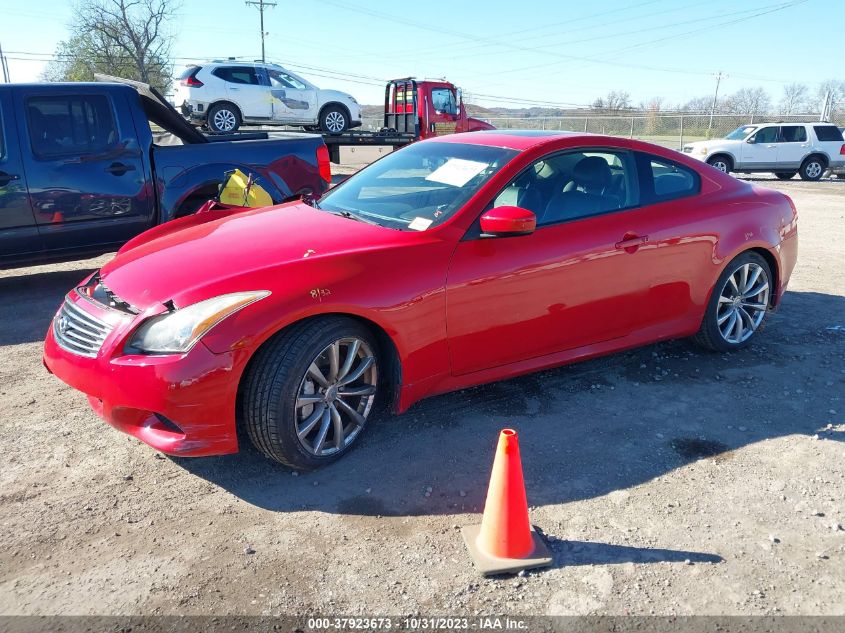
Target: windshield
<point>741,132</point>
<point>419,186</point>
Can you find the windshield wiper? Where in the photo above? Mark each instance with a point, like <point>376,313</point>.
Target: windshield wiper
<point>353,216</point>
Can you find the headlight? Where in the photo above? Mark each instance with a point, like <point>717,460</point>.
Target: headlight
<point>178,331</point>
<point>703,150</point>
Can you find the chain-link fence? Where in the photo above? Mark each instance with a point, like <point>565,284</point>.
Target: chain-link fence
<point>669,130</point>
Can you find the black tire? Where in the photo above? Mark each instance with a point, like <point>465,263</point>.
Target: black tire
<point>223,118</point>
<point>785,175</point>
<point>709,335</point>
<point>273,381</point>
<point>334,119</point>
<point>721,162</point>
<point>812,168</point>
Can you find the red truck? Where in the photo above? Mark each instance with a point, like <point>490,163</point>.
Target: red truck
<point>413,110</point>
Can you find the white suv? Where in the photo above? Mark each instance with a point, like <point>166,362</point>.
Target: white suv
<point>227,94</point>
<point>786,149</point>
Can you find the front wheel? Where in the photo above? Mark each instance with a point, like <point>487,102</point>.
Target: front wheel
<point>334,120</point>
<point>722,163</point>
<point>812,168</point>
<point>785,175</point>
<point>309,392</point>
<point>738,305</point>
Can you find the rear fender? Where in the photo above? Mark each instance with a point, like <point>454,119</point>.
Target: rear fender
<point>174,191</point>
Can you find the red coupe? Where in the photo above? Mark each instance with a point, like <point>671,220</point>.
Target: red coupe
<point>455,261</point>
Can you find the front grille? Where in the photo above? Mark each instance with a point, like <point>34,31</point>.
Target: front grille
<point>78,332</point>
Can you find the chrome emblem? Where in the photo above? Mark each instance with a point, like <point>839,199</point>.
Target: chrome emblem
<point>63,325</point>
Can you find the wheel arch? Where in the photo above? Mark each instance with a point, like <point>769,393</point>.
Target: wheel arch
<point>237,108</point>
<point>339,104</point>
<point>388,351</point>
<point>822,155</point>
<point>725,153</point>
<point>766,254</point>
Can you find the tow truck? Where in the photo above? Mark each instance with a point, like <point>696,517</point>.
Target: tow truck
<point>413,110</point>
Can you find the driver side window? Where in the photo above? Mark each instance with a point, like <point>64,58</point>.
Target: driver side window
<point>574,185</point>
<point>766,135</point>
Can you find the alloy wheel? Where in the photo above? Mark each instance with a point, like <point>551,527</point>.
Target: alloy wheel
<point>335,122</point>
<point>743,302</point>
<point>720,165</point>
<point>224,120</point>
<point>335,396</point>
<point>813,169</point>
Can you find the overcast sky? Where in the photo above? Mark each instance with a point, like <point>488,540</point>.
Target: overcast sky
<point>504,53</point>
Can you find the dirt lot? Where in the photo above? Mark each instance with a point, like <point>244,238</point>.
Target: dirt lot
<point>667,480</point>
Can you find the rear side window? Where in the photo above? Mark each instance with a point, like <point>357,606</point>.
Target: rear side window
<point>793,134</point>
<point>70,125</point>
<point>237,75</point>
<point>663,179</point>
<point>828,133</point>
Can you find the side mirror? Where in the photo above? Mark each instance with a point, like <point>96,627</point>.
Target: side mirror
<point>752,139</point>
<point>507,222</point>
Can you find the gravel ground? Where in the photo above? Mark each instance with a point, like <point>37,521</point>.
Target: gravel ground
<point>667,481</point>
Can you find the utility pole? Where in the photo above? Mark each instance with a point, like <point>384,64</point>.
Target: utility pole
<point>261,4</point>
<point>719,76</point>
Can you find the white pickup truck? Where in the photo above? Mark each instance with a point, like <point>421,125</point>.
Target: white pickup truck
<point>786,149</point>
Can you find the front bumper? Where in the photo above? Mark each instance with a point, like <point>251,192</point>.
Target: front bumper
<point>180,404</point>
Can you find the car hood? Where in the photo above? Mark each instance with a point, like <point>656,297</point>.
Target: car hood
<point>205,250</point>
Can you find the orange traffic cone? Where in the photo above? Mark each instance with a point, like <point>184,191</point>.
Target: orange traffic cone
<point>505,541</point>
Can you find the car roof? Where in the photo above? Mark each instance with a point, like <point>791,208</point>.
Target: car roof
<point>511,139</point>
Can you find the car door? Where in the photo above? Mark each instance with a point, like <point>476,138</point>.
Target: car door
<point>793,146</point>
<point>442,111</point>
<point>760,150</point>
<point>569,284</point>
<point>18,232</point>
<point>86,172</point>
<point>293,100</point>
<point>245,89</point>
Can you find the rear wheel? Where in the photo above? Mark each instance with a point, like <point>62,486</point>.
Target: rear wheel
<point>310,391</point>
<point>785,175</point>
<point>721,162</point>
<point>223,118</point>
<point>812,168</point>
<point>739,304</point>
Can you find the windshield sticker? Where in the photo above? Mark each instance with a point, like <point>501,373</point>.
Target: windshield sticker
<point>456,172</point>
<point>420,224</point>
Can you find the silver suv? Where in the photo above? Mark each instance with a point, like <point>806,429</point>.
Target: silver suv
<point>227,94</point>
<point>786,149</point>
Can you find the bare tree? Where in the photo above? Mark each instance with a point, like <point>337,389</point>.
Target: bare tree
<point>698,104</point>
<point>128,38</point>
<point>615,101</point>
<point>794,98</point>
<point>748,102</point>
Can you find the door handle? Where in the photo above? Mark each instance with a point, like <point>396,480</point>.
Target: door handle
<point>771,146</point>
<point>118,169</point>
<point>234,88</point>
<point>630,241</point>
<point>5,178</point>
